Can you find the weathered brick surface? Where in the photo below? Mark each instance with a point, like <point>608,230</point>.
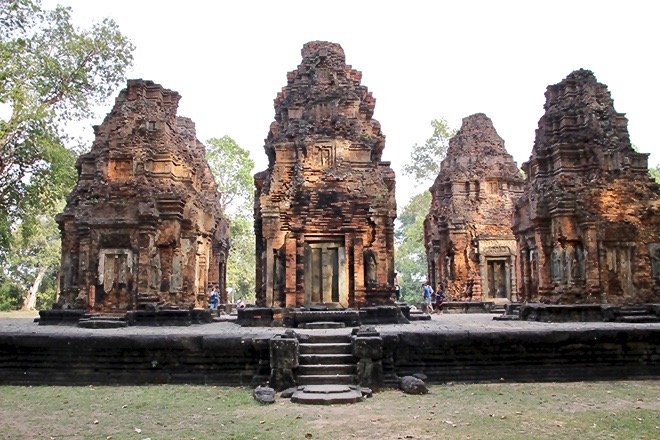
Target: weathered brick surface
<point>588,224</point>
<point>325,206</point>
<point>143,225</point>
<point>470,247</point>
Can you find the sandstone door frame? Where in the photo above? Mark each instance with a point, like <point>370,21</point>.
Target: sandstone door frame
<point>326,272</point>
<point>497,268</point>
<point>488,262</point>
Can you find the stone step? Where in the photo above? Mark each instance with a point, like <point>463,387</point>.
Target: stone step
<point>420,317</point>
<point>102,323</point>
<point>327,394</point>
<point>326,359</point>
<point>506,318</point>
<point>327,370</point>
<point>323,379</point>
<point>638,319</point>
<point>315,338</point>
<point>111,316</point>
<point>325,348</point>
<point>322,325</point>
<point>635,312</point>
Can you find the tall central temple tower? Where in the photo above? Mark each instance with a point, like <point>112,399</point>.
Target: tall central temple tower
<point>325,207</point>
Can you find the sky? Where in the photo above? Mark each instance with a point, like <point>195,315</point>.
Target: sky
<point>422,60</point>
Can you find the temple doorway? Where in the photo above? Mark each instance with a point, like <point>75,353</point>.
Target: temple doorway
<point>498,285</point>
<point>325,273</point>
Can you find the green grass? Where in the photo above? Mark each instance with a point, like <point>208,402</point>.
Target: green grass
<point>598,410</point>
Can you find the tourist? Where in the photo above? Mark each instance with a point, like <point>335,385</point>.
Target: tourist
<point>214,298</point>
<point>240,304</point>
<point>427,292</point>
<point>397,288</point>
<point>440,298</point>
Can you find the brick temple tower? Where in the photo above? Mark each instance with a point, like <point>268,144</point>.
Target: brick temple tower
<point>588,224</point>
<point>467,234</point>
<point>325,206</point>
<point>143,225</point>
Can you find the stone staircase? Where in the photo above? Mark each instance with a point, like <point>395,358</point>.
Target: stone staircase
<point>148,300</point>
<point>326,360</point>
<point>102,321</point>
<point>636,315</point>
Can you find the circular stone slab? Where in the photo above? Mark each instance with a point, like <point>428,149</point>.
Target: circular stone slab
<point>327,394</point>
<point>328,389</point>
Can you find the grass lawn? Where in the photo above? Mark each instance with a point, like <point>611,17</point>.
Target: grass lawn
<point>19,314</point>
<point>594,410</point>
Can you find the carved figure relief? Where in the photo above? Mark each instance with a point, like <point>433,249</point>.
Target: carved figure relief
<point>579,259</point>
<point>654,256</point>
<point>449,264</point>
<point>534,268</point>
<point>370,268</point>
<point>557,264</point>
<point>570,264</point>
<point>278,261</point>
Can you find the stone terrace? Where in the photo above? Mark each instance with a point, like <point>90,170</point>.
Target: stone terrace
<point>465,348</point>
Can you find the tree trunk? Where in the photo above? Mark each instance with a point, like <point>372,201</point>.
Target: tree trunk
<point>31,301</point>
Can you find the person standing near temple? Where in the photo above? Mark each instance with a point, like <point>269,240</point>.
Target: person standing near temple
<point>427,292</point>
<point>214,298</point>
<point>440,298</point>
<point>397,288</point>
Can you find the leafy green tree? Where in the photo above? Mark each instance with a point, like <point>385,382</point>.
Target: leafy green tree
<point>425,159</point>
<point>241,264</point>
<point>410,254</point>
<point>51,73</point>
<point>31,265</point>
<point>232,168</point>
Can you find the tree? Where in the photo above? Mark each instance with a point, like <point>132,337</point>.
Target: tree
<point>425,159</point>
<point>655,173</point>
<point>51,73</point>
<point>232,168</point>
<point>34,257</point>
<point>409,251</point>
<point>241,264</point>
